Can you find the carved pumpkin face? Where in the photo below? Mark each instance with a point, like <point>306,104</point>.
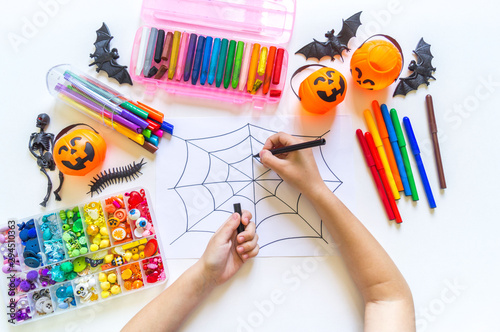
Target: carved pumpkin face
<point>79,152</point>
<point>376,64</point>
<point>321,91</point>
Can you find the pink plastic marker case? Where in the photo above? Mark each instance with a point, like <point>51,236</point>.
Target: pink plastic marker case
<point>267,22</point>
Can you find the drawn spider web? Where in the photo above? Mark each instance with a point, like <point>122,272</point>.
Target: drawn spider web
<point>234,175</point>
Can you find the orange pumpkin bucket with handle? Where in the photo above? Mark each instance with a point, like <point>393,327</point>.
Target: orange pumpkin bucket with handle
<point>376,64</point>
<point>77,152</point>
<point>321,91</point>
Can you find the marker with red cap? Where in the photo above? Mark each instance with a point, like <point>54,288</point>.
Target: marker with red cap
<point>383,176</point>
<point>371,164</point>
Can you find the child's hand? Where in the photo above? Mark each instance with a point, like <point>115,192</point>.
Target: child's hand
<point>227,251</point>
<point>298,168</point>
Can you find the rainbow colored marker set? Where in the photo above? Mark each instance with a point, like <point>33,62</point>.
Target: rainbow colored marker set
<point>64,260</point>
<point>386,154</point>
<point>220,50</point>
<point>135,120</point>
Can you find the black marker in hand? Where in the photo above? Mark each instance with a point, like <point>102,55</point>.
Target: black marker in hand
<point>237,209</point>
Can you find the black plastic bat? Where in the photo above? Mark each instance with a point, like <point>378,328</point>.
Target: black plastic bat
<point>422,71</point>
<point>335,45</point>
<point>106,59</point>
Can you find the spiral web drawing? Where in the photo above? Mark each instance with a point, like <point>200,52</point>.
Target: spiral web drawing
<point>222,169</point>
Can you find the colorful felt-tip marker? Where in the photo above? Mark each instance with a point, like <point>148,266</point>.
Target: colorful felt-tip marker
<point>213,61</point>
<point>433,128</point>
<point>383,176</point>
<point>395,149</point>
<point>142,51</point>
<point>269,69</point>
<point>244,67</point>
<point>197,59</point>
<point>190,56</point>
<point>221,62</point>
<point>181,63</point>
<point>416,152</point>
<point>174,55</point>
<point>237,64</point>
<point>383,157</point>
<point>206,60</point>
<point>384,136</point>
<point>252,70</point>
<point>404,153</point>
<point>371,165</point>
<point>229,63</point>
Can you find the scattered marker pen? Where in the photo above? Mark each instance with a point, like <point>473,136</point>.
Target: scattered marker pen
<point>416,152</point>
<point>370,161</point>
<point>404,153</point>
<point>393,139</point>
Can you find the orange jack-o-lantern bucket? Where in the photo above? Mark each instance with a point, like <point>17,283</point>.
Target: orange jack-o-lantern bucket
<point>77,152</point>
<point>321,91</point>
<point>376,64</point>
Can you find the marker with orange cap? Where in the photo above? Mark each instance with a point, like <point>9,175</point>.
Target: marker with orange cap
<point>383,157</point>
<point>383,176</point>
<point>384,135</point>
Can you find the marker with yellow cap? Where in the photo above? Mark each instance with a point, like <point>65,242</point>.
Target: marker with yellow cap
<point>372,127</point>
<point>384,136</point>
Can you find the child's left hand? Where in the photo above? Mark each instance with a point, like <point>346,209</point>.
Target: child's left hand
<point>227,251</point>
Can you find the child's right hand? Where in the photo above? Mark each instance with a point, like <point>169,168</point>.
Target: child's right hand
<point>297,168</point>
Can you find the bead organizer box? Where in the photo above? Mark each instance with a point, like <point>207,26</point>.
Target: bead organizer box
<point>80,255</point>
<point>221,49</point>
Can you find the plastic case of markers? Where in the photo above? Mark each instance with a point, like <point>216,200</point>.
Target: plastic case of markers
<point>268,23</point>
<point>84,254</point>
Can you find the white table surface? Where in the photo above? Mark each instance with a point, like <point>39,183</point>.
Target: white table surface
<point>449,256</point>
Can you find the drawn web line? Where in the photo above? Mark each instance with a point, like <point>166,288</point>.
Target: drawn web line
<point>251,180</point>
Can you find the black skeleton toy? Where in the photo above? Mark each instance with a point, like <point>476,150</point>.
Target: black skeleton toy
<point>40,146</point>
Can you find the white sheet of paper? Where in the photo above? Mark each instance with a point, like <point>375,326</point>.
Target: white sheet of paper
<point>207,166</point>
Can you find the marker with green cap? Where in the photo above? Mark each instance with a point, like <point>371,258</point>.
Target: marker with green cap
<point>404,153</point>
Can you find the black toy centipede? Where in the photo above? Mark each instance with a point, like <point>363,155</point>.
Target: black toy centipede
<point>115,175</point>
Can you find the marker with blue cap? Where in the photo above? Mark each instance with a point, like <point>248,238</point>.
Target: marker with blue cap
<point>395,148</point>
<point>416,152</point>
